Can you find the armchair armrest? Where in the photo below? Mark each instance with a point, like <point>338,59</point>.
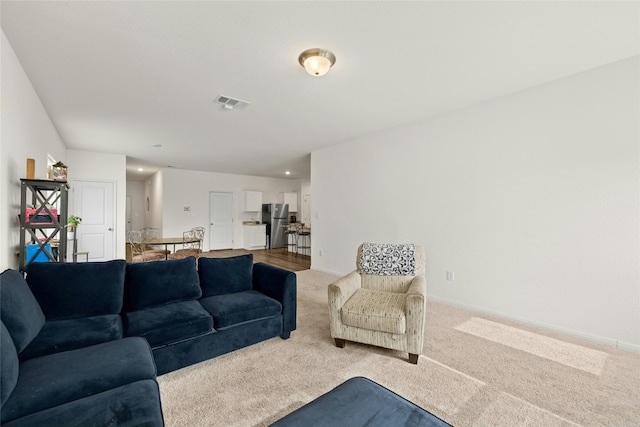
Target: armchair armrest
<point>416,307</point>
<point>342,289</point>
<point>339,292</point>
<point>280,285</point>
<point>418,286</point>
<point>416,298</point>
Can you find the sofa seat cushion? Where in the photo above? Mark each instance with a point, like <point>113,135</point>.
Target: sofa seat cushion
<point>8,364</point>
<point>220,276</point>
<point>56,379</point>
<point>19,310</point>
<point>136,404</point>
<point>169,323</point>
<point>240,307</point>
<point>152,284</point>
<point>63,335</point>
<point>376,311</point>
<point>77,290</point>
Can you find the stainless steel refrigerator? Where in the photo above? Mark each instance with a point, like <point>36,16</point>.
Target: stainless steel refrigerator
<point>275,216</point>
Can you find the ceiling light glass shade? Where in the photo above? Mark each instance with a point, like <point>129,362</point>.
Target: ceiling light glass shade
<point>317,61</point>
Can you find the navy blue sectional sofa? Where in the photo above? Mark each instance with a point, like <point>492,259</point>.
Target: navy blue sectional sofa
<point>82,343</point>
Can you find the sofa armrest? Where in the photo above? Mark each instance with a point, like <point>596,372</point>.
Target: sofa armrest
<point>280,285</point>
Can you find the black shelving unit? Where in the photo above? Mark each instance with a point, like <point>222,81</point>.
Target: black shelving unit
<point>45,224</point>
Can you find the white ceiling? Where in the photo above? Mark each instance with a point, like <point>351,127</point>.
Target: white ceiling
<point>120,77</point>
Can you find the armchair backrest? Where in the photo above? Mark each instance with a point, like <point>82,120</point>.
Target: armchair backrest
<point>391,283</point>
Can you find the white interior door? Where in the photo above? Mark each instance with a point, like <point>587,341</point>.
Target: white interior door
<point>220,220</point>
<point>94,202</point>
<point>128,214</point>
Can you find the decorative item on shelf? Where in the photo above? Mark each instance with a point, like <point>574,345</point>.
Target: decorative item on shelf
<point>45,215</point>
<point>72,222</point>
<point>58,172</point>
<point>31,168</point>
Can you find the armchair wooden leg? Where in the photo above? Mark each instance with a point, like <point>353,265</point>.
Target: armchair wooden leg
<point>340,342</point>
<point>413,358</point>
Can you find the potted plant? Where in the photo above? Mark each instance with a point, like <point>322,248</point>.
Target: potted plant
<point>72,222</point>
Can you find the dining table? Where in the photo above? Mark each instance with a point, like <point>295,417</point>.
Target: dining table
<point>166,241</point>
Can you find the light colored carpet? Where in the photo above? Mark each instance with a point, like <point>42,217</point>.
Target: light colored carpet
<point>572,355</point>
<point>474,370</point>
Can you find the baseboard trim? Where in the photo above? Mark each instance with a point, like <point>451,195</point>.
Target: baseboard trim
<point>628,346</point>
<point>593,338</point>
<point>335,273</point>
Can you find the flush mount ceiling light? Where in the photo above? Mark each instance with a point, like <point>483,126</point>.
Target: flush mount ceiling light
<point>317,61</point>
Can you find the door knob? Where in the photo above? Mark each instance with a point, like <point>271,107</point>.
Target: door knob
<point>110,229</point>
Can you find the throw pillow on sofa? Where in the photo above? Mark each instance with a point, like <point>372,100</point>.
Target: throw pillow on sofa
<point>77,290</point>
<point>19,310</point>
<point>221,276</point>
<point>8,364</point>
<point>152,284</point>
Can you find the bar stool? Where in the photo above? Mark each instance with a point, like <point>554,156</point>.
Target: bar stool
<point>291,237</point>
<point>75,256</point>
<point>305,235</point>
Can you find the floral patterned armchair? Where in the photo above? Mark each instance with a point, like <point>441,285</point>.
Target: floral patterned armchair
<point>383,302</point>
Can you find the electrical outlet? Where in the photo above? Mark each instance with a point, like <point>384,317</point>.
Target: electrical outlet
<point>187,209</point>
<point>450,276</point>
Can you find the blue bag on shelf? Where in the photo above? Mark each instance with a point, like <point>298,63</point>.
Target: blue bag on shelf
<point>42,256</point>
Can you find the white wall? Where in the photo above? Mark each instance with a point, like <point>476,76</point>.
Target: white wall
<point>135,190</point>
<point>531,199</point>
<point>190,188</point>
<point>154,201</point>
<point>86,165</point>
<point>25,132</point>
<point>305,188</point>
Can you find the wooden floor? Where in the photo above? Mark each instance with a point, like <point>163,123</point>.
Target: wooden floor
<point>276,257</point>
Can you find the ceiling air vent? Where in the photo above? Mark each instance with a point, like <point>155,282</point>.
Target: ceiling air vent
<point>229,103</point>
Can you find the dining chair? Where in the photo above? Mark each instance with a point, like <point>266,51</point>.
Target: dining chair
<point>139,250</point>
<point>190,246</point>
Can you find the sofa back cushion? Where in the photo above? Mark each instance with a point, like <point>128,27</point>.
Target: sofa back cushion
<point>77,290</point>
<point>19,309</point>
<point>156,283</point>
<point>8,364</point>
<point>220,276</point>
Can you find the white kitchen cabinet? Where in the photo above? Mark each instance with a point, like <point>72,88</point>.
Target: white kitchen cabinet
<point>290,199</point>
<point>252,201</point>
<point>255,236</point>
